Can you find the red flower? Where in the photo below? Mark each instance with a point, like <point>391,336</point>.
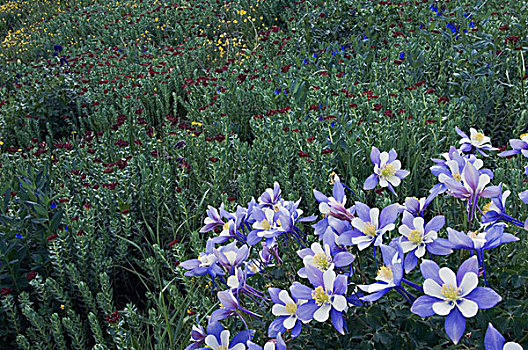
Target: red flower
<point>31,275</point>
<point>377,107</point>
<point>176,241</point>
<point>303,154</point>
<point>63,200</point>
<point>125,211</point>
<point>87,206</point>
<point>108,170</point>
<point>113,318</point>
<point>442,99</point>
<point>232,199</point>
<point>310,139</point>
<point>327,151</point>
<point>5,291</point>
<point>52,237</point>
<point>213,159</point>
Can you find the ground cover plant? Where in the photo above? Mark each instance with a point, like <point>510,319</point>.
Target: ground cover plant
<point>263,174</point>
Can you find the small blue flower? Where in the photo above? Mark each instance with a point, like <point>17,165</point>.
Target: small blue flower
<point>471,24</point>
<point>57,48</point>
<point>53,205</point>
<point>402,55</point>
<point>305,61</point>
<point>18,235</point>
<point>314,55</point>
<point>277,91</point>
<point>335,53</point>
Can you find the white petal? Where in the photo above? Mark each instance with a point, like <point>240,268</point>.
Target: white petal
<point>469,282</point>
<point>339,302</point>
<point>418,224</point>
<point>285,297</point>
<point>404,230</point>
<point>329,277</point>
<point>316,248</point>
<point>432,288</point>
<point>270,345</point>
<point>365,244</point>
<point>484,179</point>
<point>384,157</point>
<point>396,164</point>
<point>279,310</point>
<point>468,308</point>
<point>420,251</point>
<point>321,315</point>
<point>407,246</point>
<point>453,167</point>
<point>357,223</point>
<point>224,337</point>
<point>211,342</point>
<point>289,323</point>
<point>374,215</point>
<point>394,180</point>
<point>383,182</point>
<point>448,276</point>
<point>239,346</point>
<point>324,208</point>
<point>443,308</point>
<point>512,346</point>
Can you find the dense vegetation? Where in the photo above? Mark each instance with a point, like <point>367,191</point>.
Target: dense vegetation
<point>123,124</point>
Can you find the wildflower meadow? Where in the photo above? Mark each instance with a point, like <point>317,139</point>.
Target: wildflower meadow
<point>263,174</point>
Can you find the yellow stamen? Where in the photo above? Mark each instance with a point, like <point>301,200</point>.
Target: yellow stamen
<point>479,136</point>
<point>450,292</point>
<point>290,308</point>
<point>457,177</point>
<point>265,224</point>
<point>322,261</point>
<point>415,236</point>
<point>387,171</point>
<point>487,207</point>
<point>320,296</point>
<point>369,229</point>
<point>385,273</point>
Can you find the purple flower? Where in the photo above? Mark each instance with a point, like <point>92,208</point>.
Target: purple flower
<point>269,224</point>
<point>270,197</point>
<point>518,145</point>
<point>206,263</point>
<point>389,275</point>
<point>471,187</point>
<point>492,237</point>
<point>493,340</point>
<point>416,238</point>
<point>415,206</point>
<point>476,141</point>
<point>387,170</point>
<point>221,341</point>
<point>453,295</point>
<point>323,259</point>
<point>335,205</point>
<point>369,226</point>
<point>495,210</point>
<point>285,309</point>
<point>325,300</point>
<point>274,344</point>
<point>229,306</point>
<point>230,256</point>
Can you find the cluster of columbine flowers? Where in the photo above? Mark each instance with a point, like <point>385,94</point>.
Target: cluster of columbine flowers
<point>264,225</point>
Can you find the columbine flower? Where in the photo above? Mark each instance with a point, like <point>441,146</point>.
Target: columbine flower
<point>524,196</point>
<point>493,340</point>
<point>495,210</point>
<point>334,206</point>
<point>325,300</point>
<point>519,146</point>
<point>322,259</point>
<point>416,206</point>
<point>369,226</point>
<point>472,187</point>
<point>453,295</point>
<point>389,275</point>
<point>477,141</point>
<point>387,170</point>
<point>229,306</point>
<point>269,224</point>
<point>221,341</point>
<point>492,237</point>
<point>274,344</point>
<point>417,239</point>
<point>270,197</point>
<point>230,256</point>
<point>285,309</point>
<point>206,263</point>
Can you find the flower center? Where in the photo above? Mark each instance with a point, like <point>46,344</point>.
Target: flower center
<point>524,135</point>
<point>223,347</point>
<point>320,296</point>
<point>322,261</point>
<point>276,208</point>
<point>265,224</point>
<point>384,273</point>
<point>473,234</point>
<point>415,236</point>
<point>457,177</point>
<point>206,260</point>
<point>369,229</point>
<point>226,226</point>
<point>290,308</point>
<point>387,171</point>
<point>487,207</point>
<point>479,136</point>
<point>450,292</point>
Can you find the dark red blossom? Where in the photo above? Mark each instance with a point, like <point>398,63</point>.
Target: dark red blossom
<point>113,318</point>
<point>310,139</point>
<point>327,151</point>
<point>303,154</point>
<point>213,159</point>
<point>5,291</point>
<point>176,241</point>
<point>52,237</point>
<point>31,275</point>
